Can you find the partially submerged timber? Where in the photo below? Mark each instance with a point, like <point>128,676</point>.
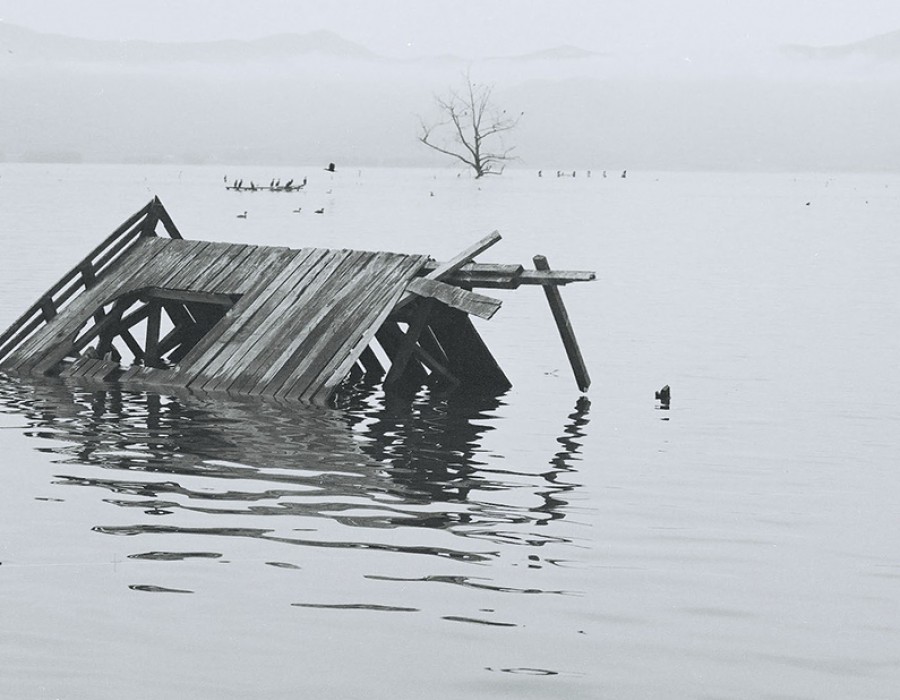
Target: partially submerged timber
<point>293,324</point>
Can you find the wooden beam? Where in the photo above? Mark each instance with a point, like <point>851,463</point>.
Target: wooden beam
<point>454,263</point>
<point>410,338</point>
<point>564,325</point>
<point>188,296</point>
<point>462,299</point>
<point>493,276</point>
<point>151,347</point>
<point>371,363</point>
<point>167,222</point>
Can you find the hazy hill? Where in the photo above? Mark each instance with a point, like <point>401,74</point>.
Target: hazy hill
<point>884,47</point>
<point>314,98</point>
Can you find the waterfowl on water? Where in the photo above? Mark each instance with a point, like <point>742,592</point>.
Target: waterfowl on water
<point>242,216</point>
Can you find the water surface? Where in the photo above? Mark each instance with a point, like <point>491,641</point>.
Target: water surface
<point>534,544</point>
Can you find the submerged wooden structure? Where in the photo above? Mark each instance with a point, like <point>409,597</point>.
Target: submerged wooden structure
<point>272,321</point>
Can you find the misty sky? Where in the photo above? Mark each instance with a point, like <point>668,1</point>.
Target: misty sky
<point>472,28</point>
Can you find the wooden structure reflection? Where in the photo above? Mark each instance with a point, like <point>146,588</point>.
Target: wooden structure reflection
<point>416,464</point>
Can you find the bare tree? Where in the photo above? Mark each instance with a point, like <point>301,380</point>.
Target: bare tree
<point>471,129</point>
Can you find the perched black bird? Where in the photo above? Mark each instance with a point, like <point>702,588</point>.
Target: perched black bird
<point>664,396</point>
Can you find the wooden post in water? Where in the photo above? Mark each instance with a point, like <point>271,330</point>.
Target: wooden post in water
<point>554,298</point>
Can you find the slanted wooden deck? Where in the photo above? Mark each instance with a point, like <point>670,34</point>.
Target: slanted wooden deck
<point>279,322</point>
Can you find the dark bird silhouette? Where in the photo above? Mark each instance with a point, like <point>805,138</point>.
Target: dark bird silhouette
<point>297,210</point>
<point>320,211</point>
<point>242,216</point>
<point>664,396</point>
<point>330,167</point>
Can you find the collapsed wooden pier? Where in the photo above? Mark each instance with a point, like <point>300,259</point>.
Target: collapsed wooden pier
<point>288,323</point>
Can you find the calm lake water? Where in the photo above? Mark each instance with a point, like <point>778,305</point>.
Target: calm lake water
<point>539,544</point>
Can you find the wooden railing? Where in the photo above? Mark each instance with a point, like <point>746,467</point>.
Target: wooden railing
<point>86,273</point>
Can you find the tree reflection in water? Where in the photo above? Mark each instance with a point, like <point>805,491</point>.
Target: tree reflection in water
<point>372,463</point>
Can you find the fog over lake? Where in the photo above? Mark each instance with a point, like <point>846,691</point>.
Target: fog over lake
<point>671,101</point>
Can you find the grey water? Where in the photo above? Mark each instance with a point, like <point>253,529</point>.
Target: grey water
<point>537,544</point>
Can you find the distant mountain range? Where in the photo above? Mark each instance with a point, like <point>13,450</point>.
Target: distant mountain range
<point>36,46</point>
<point>318,98</point>
<point>884,47</point>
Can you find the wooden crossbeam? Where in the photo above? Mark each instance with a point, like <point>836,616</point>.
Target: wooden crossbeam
<point>188,296</point>
<point>454,263</point>
<point>408,344</point>
<point>462,299</point>
<point>492,276</point>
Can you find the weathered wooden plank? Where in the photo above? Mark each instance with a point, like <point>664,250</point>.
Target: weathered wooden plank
<point>474,274</point>
<point>191,361</point>
<point>252,344</point>
<point>175,260</point>
<point>263,266</point>
<point>230,258</point>
<point>556,277</point>
<point>187,296</point>
<point>196,256</point>
<point>301,303</point>
<point>338,328</point>
<point>343,326</point>
<point>564,325</point>
<point>305,328</point>
<point>363,324</point>
<point>470,302</point>
<point>457,261</point>
<point>492,276</point>
<point>238,323</point>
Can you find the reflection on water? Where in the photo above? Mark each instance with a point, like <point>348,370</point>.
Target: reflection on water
<point>191,465</point>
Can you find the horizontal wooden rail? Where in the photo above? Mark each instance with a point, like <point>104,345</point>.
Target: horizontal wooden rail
<point>85,274</point>
<point>491,276</point>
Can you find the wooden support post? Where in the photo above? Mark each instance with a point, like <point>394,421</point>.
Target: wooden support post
<point>151,347</point>
<point>554,298</point>
<point>371,363</point>
<point>405,350</point>
<point>48,308</point>
<point>88,278</point>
